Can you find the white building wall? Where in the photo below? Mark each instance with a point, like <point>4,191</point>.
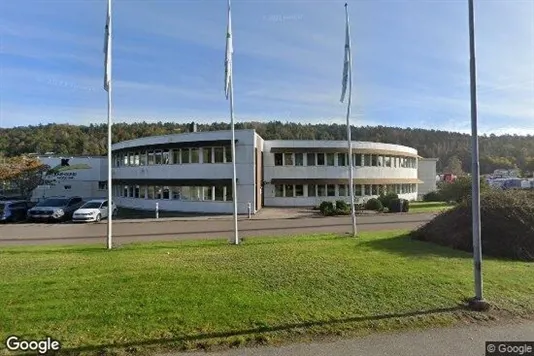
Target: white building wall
<point>426,172</point>
<point>244,168</point>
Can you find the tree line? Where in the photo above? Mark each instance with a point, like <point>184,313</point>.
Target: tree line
<point>496,152</point>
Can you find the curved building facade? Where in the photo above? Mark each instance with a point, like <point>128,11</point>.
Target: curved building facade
<point>192,172</point>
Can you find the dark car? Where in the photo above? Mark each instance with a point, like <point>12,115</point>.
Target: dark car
<point>55,209</point>
<point>13,210</point>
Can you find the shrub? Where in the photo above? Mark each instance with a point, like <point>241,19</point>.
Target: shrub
<point>327,208</point>
<point>342,205</point>
<point>507,225</point>
<point>460,189</point>
<point>432,196</point>
<point>374,204</point>
<point>385,199</point>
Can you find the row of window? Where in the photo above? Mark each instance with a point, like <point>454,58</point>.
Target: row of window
<point>342,159</point>
<point>174,156</point>
<point>184,193</point>
<point>339,190</point>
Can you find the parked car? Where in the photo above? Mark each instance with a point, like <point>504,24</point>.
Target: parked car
<point>94,210</point>
<point>55,209</point>
<point>13,210</point>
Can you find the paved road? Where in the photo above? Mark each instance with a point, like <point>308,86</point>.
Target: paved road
<point>464,341</point>
<point>123,232</point>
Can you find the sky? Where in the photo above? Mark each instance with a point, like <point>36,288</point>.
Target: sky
<point>410,62</point>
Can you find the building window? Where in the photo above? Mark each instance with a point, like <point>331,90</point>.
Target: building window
<point>342,189</point>
<point>321,190</point>
<point>278,159</point>
<point>374,160</point>
<point>185,155</point>
<point>219,154</point>
<point>320,159</point>
<point>136,192</point>
<point>367,189</point>
<point>374,189</point>
<point>195,155</point>
<point>159,157</point>
<point>288,159</point>
<point>102,185</point>
<point>310,159</point>
<point>130,191</point>
<point>208,193</point>
<point>330,159</point>
<point>125,191</point>
<point>195,193</point>
<point>219,193</point>
<point>358,160</point>
<point>176,156</point>
<point>151,158</point>
<point>312,190</point>
<point>150,192</point>
<point>358,190</point>
<point>331,190</point>
<point>289,190</point>
<point>367,160</point>
<point>278,190</point>
<point>299,190</point>
<point>131,159</point>
<point>176,193</point>
<point>158,192</point>
<point>136,159</point>
<point>388,161</point>
<point>228,154</point>
<point>299,159</point>
<point>166,193</point>
<point>142,192</point>
<point>229,194</point>
<point>166,158</point>
<point>142,159</point>
<point>185,193</point>
<point>380,161</point>
<point>342,159</point>
<point>207,155</point>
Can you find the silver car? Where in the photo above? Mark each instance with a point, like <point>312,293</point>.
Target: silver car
<point>93,211</point>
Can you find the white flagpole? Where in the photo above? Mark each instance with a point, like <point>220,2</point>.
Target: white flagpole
<point>347,76</point>
<point>107,87</point>
<point>229,88</point>
<point>478,301</point>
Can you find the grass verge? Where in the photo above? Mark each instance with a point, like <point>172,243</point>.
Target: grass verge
<point>194,295</point>
<point>429,207</point>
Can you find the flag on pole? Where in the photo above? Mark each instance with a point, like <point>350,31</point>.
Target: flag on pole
<point>107,50</point>
<point>229,53</point>
<point>346,60</point>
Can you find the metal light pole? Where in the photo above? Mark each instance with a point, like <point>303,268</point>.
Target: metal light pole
<point>477,302</point>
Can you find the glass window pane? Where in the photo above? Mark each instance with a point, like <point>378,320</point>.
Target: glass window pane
<point>289,190</point>
<point>228,154</point>
<point>208,193</point>
<point>358,190</point>
<point>321,190</point>
<point>142,159</point>
<point>312,190</point>
<point>150,158</point>
<point>142,192</point>
<point>357,160</point>
<point>374,160</point>
<point>166,157</point>
<point>150,190</point>
<point>330,159</point>
<point>176,156</point>
<point>299,190</point>
<point>278,159</point>
<point>136,192</point>
<point>186,193</point>
<point>195,155</point>
<point>388,161</point>
<point>342,159</point>
<point>278,190</point>
<point>125,191</point>
<point>380,161</point>
<point>310,159</point>
<point>367,190</point>
<point>320,159</point>
<point>166,192</point>
<point>229,194</point>
<point>219,193</point>
<point>374,190</point>
<point>176,193</point>
<point>206,155</point>
<point>299,159</point>
<point>331,190</point>
<point>195,193</point>
<point>288,159</point>
<point>158,192</point>
<point>219,154</point>
<point>185,155</point>
<point>367,160</point>
<point>342,189</point>
<point>158,157</point>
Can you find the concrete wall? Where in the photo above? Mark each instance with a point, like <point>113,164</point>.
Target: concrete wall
<point>427,173</point>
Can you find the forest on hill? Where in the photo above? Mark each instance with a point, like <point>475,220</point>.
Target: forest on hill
<point>452,149</point>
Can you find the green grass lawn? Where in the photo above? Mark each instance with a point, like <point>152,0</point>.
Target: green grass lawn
<point>429,207</point>
<point>184,295</point>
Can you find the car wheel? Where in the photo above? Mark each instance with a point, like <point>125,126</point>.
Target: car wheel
<point>98,218</point>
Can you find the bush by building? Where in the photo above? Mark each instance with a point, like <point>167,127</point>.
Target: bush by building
<point>434,196</point>
<point>374,204</point>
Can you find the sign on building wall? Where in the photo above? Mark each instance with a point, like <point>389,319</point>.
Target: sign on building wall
<point>70,169</point>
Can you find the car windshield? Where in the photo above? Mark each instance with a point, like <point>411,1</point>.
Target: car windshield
<point>53,202</point>
<point>92,205</point>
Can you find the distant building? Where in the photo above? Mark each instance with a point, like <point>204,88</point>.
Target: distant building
<point>426,172</point>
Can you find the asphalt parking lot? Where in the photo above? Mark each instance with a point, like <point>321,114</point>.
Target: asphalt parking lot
<point>207,228</point>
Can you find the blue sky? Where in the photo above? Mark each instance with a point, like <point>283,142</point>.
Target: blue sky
<point>410,62</point>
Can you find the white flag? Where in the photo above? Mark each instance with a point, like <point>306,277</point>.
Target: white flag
<point>229,52</point>
<point>107,50</point>
<point>347,59</point>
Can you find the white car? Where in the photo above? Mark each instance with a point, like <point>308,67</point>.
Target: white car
<point>93,210</point>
